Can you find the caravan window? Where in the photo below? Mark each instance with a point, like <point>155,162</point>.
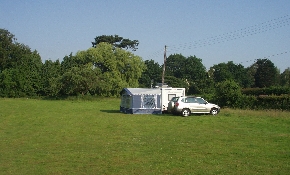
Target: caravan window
<point>148,101</point>
<point>170,96</point>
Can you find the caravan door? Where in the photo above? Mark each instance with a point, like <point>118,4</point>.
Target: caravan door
<point>168,93</point>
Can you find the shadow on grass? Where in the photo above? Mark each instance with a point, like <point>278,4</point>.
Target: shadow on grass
<point>111,111</point>
<point>118,112</point>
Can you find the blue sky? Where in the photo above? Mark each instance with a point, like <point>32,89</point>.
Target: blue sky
<point>216,31</point>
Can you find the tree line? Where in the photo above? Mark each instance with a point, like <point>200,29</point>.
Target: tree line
<point>108,66</point>
<point>189,72</point>
<point>101,70</point>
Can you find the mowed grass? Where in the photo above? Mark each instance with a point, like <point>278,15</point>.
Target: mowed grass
<point>93,137</point>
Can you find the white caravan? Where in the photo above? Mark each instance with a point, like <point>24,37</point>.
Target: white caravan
<point>168,93</point>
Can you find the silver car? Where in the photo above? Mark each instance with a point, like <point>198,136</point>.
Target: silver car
<point>188,105</point>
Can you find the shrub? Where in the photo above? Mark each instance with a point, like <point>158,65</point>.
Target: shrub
<point>228,93</point>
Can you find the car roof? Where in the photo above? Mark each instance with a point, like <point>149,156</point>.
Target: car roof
<point>190,97</point>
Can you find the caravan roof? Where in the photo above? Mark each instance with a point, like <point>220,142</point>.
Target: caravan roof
<point>136,91</point>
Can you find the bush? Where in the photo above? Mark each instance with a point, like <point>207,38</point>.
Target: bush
<point>228,93</point>
<point>248,102</point>
<point>274,90</point>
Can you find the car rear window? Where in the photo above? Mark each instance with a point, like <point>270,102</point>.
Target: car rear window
<point>174,99</point>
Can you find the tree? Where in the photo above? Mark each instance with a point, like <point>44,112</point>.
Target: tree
<point>175,66</point>
<point>190,71</point>
<point>8,84</point>
<point>20,65</point>
<point>79,80</point>
<point>195,74</point>
<point>69,62</point>
<point>228,93</point>
<point>115,68</point>
<point>117,42</point>
<point>7,47</point>
<point>51,75</point>
<point>176,82</point>
<point>230,71</point>
<point>22,80</point>
<point>151,75</point>
<point>221,73</point>
<point>285,78</point>
<point>266,73</point>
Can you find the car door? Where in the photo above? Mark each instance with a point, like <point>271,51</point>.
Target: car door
<point>194,106</point>
<point>202,105</point>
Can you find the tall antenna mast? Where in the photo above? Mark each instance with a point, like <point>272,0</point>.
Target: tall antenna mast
<point>163,72</point>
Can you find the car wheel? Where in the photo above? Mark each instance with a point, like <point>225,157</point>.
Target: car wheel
<point>214,111</point>
<point>185,112</point>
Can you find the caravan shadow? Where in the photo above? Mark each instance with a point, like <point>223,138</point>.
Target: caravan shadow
<point>111,111</point>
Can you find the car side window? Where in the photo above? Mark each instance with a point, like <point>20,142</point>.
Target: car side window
<point>201,101</point>
<point>187,100</point>
<point>191,100</point>
<point>194,100</point>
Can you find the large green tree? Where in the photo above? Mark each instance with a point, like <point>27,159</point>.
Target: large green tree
<point>79,80</point>
<point>116,41</point>
<point>175,66</point>
<point>7,46</point>
<point>114,68</point>
<point>151,75</point>
<point>196,75</point>
<point>285,78</point>
<point>266,73</point>
<point>51,75</point>
<point>19,68</point>
<point>230,71</point>
<point>228,93</point>
<point>189,70</point>
<point>23,79</point>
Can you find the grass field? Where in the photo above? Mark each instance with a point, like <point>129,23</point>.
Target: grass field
<point>93,137</point>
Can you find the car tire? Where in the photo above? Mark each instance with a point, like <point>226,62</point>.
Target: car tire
<point>185,112</point>
<point>214,111</point>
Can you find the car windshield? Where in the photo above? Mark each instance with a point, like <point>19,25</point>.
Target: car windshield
<point>201,100</point>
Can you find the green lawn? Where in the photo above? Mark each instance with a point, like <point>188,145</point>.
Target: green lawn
<point>93,137</point>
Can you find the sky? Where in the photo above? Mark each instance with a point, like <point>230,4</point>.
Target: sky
<point>216,31</point>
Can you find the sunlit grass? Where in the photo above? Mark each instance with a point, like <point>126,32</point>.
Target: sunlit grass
<point>92,137</point>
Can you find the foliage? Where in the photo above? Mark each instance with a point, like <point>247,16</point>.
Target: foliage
<point>277,90</point>
<point>253,91</point>
<point>228,93</point>
<point>175,65</point>
<point>266,73</point>
<point>151,75</point>
<point>115,68</point>
<point>20,68</point>
<point>273,90</point>
<point>9,86</point>
<point>105,69</point>
<point>71,61</point>
<point>285,78</point>
<point>196,75</point>
<point>7,46</point>
<point>176,82</point>
<point>79,80</point>
<point>273,102</point>
<point>231,71</point>
<point>117,42</point>
<point>191,71</point>
<point>51,78</point>
<point>249,102</point>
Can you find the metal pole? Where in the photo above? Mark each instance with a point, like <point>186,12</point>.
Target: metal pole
<point>163,72</point>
